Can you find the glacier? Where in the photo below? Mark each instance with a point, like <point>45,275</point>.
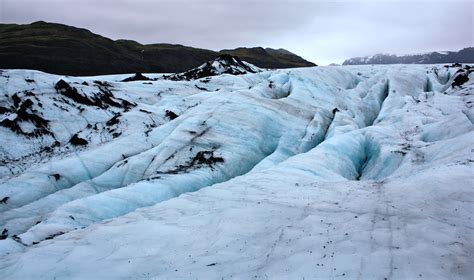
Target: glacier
<point>353,172</point>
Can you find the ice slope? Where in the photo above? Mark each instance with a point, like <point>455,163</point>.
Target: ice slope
<point>329,172</point>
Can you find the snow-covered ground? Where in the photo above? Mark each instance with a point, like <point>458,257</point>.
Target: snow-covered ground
<point>355,172</point>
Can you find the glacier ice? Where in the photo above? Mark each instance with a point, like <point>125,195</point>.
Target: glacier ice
<point>356,171</point>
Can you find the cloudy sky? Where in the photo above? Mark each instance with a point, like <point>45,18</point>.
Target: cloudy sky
<point>322,31</point>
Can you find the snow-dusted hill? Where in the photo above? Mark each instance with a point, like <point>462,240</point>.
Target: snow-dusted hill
<point>465,55</point>
<point>223,64</point>
<point>319,173</point>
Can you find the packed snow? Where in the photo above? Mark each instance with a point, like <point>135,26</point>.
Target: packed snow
<point>354,172</point>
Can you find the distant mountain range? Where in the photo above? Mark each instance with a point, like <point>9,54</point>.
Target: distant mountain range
<point>465,55</point>
<point>61,49</point>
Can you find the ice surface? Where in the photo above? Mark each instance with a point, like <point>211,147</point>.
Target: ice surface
<point>357,172</point>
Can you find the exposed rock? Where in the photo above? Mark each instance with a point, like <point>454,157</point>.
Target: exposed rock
<point>170,114</point>
<point>78,141</point>
<point>5,199</point>
<point>136,77</point>
<point>460,79</point>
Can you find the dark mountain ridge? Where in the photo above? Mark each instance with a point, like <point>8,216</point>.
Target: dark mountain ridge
<point>62,49</point>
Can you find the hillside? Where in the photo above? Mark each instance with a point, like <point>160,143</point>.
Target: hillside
<point>269,58</point>
<point>356,172</point>
<point>62,49</point>
<point>465,55</point>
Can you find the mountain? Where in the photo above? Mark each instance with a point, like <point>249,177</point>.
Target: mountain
<point>316,173</point>
<point>223,64</point>
<point>269,58</point>
<point>465,55</point>
<point>62,49</point>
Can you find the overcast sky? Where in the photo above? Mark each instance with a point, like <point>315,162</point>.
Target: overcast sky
<point>322,31</point>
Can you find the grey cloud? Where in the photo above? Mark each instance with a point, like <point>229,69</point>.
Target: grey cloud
<point>322,31</point>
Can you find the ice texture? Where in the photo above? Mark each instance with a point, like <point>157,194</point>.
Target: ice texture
<point>354,172</point>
